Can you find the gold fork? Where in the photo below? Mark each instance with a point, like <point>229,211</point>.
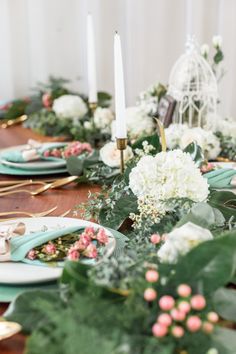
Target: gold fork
<point>23,184</point>
<point>27,213</point>
<point>59,183</point>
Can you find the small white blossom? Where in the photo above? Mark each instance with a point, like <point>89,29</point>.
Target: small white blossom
<point>212,351</point>
<point>110,155</point>
<point>217,41</point>
<point>205,49</point>
<point>69,106</point>
<point>103,118</point>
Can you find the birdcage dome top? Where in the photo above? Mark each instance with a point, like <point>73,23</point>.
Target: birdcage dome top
<point>192,73</point>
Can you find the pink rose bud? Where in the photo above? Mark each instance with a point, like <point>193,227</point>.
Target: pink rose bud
<point>212,317</point>
<point>73,254</point>
<point>184,290</point>
<point>90,231</point>
<point>155,239</point>
<point>194,323</point>
<point>46,153</point>
<point>178,315</point>
<point>152,276</point>
<point>159,330</point>
<point>208,327</point>
<point>198,302</point>
<point>50,248</point>
<point>150,294</point>
<point>31,255</point>
<point>165,319</point>
<point>102,236</point>
<point>177,331</point>
<point>184,306</point>
<point>47,100</point>
<point>91,251</point>
<point>166,302</point>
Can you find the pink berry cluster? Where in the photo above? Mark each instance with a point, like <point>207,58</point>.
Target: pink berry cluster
<point>180,315</point>
<point>73,149</point>
<point>156,238</point>
<point>85,246</point>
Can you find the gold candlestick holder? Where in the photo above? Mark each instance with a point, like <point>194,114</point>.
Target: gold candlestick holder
<point>93,106</point>
<point>121,144</point>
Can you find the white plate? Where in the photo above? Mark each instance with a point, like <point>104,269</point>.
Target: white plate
<point>225,164</point>
<point>33,165</point>
<point>16,273</point>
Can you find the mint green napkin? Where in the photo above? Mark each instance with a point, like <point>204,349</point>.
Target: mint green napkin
<point>17,156</point>
<point>220,178</point>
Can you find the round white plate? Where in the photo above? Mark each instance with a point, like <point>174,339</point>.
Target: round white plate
<point>33,165</point>
<point>225,164</point>
<point>16,273</point>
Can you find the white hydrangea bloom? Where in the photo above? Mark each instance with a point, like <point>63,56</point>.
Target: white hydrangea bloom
<point>167,177</point>
<point>138,122</point>
<point>226,126</point>
<point>110,155</point>
<point>69,106</point>
<point>103,118</point>
<point>181,240</point>
<point>173,135</point>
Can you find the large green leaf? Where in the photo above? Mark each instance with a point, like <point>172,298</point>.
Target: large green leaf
<point>224,340</point>
<point>225,202</point>
<point>75,273</point>
<point>212,263</point>
<point>75,166</point>
<point>225,303</point>
<point>196,153</point>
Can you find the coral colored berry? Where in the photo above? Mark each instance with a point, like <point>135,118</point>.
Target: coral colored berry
<point>150,294</point>
<point>208,327</point>
<point>184,290</point>
<point>159,330</point>
<point>178,315</point>
<point>212,317</point>
<point>198,302</point>
<point>165,319</point>
<point>184,306</point>
<point>152,276</point>
<point>193,323</point>
<point>177,331</point>
<point>155,239</point>
<point>166,302</point>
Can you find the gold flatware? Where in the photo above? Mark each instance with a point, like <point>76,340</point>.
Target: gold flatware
<point>27,213</point>
<point>65,213</point>
<point>21,185</point>
<point>11,122</point>
<point>59,183</point>
<point>8,329</point>
<point>29,181</point>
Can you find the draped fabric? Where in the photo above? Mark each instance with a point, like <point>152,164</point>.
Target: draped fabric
<point>43,37</point>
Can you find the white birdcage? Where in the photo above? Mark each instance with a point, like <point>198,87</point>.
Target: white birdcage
<point>193,85</point>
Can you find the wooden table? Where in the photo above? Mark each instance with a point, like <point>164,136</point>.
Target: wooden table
<point>65,198</point>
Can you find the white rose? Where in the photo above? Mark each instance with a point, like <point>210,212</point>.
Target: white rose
<point>103,118</point>
<point>205,49</point>
<point>138,122</point>
<point>181,240</point>
<point>217,41</point>
<point>69,106</point>
<point>190,135</point>
<point>110,155</point>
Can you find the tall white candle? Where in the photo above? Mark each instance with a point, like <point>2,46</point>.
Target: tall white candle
<point>189,17</point>
<point>220,17</point>
<point>121,131</point>
<point>91,58</point>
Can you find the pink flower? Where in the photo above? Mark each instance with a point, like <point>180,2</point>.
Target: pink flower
<point>91,251</point>
<point>194,323</point>
<point>155,239</point>
<point>101,236</point>
<point>56,153</point>
<point>73,254</point>
<point>152,276</point>
<point>50,248</point>
<point>150,294</point>
<point>208,327</point>
<point>177,331</point>
<point>212,317</point>
<point>87,147</point>
<point>47,100</point>
<point>198,302</point>
<point>166,302</point>
<point>83,242</point>
<point>31,255</point>
<point>46,153</point>
<point>177,315</point>
<point>90,231</point>
<point>159,330</point>
<point>184,306</point>
<point>165,319</point>
<point>184,290</point>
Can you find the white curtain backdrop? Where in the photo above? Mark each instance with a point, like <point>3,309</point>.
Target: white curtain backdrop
<point>43,37</point>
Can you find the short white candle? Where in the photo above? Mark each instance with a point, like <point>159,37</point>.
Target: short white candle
<point>91,57</point>
<point>121,131</point>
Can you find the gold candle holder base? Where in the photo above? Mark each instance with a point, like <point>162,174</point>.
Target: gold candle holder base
<point>93,106</point>
<point>121,144</point>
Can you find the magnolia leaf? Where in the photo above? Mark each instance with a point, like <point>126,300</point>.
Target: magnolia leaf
<point>196,153</point>
<point>212,263</point>
<point>224,340</point>
<point>225,202</point>
<point>75,165</point>
<point>225,303</point>
<point>219,56</point>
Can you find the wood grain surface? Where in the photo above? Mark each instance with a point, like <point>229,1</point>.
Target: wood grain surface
<point>64,198</point>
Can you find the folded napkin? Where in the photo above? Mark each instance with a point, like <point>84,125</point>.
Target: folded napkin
<point>32,153</point>
<point>222,178</point>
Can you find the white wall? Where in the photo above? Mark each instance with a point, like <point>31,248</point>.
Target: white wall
<point>43,37</point>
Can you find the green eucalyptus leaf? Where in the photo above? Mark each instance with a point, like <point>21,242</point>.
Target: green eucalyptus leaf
<point>75,273</point>
<point>225,303</point>
<point>152,140</point>
<point>219,56</point>
<point>75,165</point>
<point>225,202</point>
<point>104,99</point>
<point>224,340</point>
